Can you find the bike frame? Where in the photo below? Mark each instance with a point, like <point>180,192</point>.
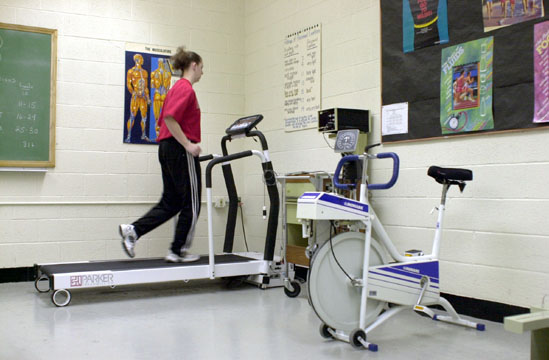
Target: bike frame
<point>373,222</point>
<point>386,280</point>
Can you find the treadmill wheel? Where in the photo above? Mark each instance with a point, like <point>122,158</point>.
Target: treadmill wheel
<point>297,289</point>
<point>61,297</point>
<point>39,280</point>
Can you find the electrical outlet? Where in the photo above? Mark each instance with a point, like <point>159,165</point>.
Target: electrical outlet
<point>222,202</point>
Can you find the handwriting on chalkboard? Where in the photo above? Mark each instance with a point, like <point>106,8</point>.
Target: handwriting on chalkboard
<point>27,88</point>
<point>302,78</point>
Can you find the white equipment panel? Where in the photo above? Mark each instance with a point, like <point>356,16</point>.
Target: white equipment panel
<point>327,206</point>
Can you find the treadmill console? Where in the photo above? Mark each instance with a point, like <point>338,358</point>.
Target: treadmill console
<point>243,125</point>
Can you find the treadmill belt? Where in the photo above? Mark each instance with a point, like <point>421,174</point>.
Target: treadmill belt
<point>121,265</point>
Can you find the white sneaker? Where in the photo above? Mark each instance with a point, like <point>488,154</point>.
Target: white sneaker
<point>174,258</point>
<point>129,238</point>
<point>189,257</point>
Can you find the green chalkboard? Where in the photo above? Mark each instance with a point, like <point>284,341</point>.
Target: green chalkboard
<point>27,96</point>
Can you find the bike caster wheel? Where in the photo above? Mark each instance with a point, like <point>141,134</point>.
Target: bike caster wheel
<point>57,297</point>
<point>295,292</point>
<point>38,281</point>
<point>357,339</point>
<point>325,331</point>
<point>354,338</point>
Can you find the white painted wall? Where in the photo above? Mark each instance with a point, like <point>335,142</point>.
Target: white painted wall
<point>99,182</point>
<point>496,244</point>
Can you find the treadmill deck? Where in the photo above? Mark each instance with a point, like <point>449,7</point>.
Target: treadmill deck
<point>137,264</point>
<point>140,271</point>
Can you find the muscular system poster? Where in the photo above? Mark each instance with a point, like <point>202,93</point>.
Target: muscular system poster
<point>148,77</point>
<point>541,72</point>
<point>424,23</point>
<point>466,87</point>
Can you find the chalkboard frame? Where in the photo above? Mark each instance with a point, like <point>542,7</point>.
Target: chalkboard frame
<point>511,113</point>
<point>52,33</point>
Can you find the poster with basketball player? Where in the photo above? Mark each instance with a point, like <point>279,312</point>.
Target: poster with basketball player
<point>424,23</point>
<point>500,13</point>
<point>466,87</point>
<point>148,77</point>
<point>541,72</point>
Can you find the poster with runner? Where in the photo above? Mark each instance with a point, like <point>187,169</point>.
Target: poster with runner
<point>500,13</point>
<point>424,23</point>
<point>541,72</point>
<point>466,87</point>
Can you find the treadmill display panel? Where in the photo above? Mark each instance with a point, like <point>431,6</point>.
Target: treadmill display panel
<point>244,125</point>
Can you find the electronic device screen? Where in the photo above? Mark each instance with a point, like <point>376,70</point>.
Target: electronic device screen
<point>244,125</point>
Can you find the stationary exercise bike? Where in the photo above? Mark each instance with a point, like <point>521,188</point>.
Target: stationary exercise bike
<point>350,301</point>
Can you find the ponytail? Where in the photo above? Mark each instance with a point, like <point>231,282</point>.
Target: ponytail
<point>183,59</point>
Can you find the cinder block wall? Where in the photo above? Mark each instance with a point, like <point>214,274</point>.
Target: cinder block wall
<point>72,212</point>
<point>496,239</point>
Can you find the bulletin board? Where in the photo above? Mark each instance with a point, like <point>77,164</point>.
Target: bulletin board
<point>415,77</point>
<point>28,58</point>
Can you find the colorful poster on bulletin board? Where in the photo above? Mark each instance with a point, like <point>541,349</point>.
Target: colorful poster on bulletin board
<point>424,23</point>
<point>466,87</point>
<point>541,72</point>
<point>500,13</point>
<point>148,76</point>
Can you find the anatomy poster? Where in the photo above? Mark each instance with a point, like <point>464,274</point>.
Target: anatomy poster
<point>541,72</point>
<point>501,13</point>
<point>424,23</point>
<point>466,87</point>
<point>148,77</point>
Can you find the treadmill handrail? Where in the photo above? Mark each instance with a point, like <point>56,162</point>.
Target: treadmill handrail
<point>206,157</point>
<point>251,134</point>
<point>261,137</point>
<point>228,158</point>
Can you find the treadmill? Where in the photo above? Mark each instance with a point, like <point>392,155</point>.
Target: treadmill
<point>258,268</point>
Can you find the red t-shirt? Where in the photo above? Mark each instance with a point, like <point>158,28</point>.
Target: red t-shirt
<point>182,105</point>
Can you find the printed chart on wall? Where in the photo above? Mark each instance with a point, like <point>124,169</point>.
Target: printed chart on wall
<point>302,52</point>
<point>148,77</point>
<point>466,87</point>
<point>541,72</point>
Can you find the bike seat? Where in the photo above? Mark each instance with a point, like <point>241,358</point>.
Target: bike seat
<point>446,175</point>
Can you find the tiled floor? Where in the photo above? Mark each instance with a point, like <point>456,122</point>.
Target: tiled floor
<point>205,320</point>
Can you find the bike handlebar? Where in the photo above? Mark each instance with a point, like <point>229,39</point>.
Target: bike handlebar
<point>349,158</point>
<point>346,158</point>
<point>394,177</point>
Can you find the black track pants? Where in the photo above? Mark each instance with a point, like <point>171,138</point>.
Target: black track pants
<point>182,189</point>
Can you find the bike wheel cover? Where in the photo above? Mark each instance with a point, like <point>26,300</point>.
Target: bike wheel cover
<point>334,299</point>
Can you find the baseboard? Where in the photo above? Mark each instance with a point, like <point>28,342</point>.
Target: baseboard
<point>480,309</point>
<point>17,274</point>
